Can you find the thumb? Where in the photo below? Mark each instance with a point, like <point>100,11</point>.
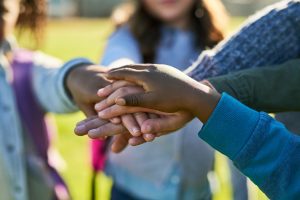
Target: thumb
<point>146,100</point>
<point>158,125</point>
<point>167,123</point>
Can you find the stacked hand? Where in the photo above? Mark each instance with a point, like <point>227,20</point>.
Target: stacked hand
<point>146,101</point>
<point>137,128</point>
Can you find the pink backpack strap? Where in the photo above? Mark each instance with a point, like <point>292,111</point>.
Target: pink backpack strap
<point>98,150</point>
<point>32,115</point>
<point>98,160</point>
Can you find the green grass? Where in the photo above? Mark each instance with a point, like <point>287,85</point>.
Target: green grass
<point>71,38</point>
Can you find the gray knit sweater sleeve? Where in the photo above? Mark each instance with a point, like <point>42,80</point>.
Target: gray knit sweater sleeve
<point>270,37</point>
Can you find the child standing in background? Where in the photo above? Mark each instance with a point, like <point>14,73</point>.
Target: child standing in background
<point>173,33</point>
<point>31,83</point>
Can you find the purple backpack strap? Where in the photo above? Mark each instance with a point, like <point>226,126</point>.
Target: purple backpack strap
<point>32,115</point>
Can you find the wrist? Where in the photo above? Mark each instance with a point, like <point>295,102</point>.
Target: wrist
<point>73,74</point>
<point>203,102</point>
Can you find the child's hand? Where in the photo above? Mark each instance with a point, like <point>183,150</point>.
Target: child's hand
<point>154,124</point>
<point>132,122</point>
<point>166,89</point>
<point>96,128</point>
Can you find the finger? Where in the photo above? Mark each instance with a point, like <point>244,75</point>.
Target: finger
<point>109,101</point>
<point>147,100</point>
<point>167,124</point>
<point>148,137</point>
<point>131,124</point>
<point>116,120</point>
<point>116,110</point>
<point>140,117</point>
<point>127,74</point>
<point>161,134</point>
<point>106,130</point>
<point>134,66</point>
<point>120,142</point>
<point>88,125</point>
<point>86,120</point>
<point>106,91</point>
<point>135,141</point>
<point>153,116</point>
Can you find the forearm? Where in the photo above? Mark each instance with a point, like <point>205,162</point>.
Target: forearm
<point>262,148</point>
<point>50,87</point>
<point>270,89</point>
<point>270,37</point>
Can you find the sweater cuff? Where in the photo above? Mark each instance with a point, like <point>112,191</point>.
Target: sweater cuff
<point>230,126</point>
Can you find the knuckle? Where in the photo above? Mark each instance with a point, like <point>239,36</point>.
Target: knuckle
<point>134,100</point>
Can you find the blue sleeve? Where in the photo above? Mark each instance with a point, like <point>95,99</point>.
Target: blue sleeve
<point>270,37</point>
<point>261,148</point>
<point>121,44</point>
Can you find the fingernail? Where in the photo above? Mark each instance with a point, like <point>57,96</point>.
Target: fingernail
<point>93,133</point>
<point>80,129</point>
<point>148,129</point>
<point>115,120</point>
<point>101,91</point>
<point>136,131</point>
<point>101,114</point>
<point>120,102</point>
<point>132,142</point>
<point>98,107</point>
<point>149,137</point>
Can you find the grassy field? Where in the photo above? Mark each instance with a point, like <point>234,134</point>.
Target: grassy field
<point>71,38</point>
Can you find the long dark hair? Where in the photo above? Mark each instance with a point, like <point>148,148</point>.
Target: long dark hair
<point>207,17</point>
<point>33,15</point>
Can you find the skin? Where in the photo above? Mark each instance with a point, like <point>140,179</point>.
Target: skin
<point>174,13</point>
<point>161,85</point>
<point>10,17</point>
<point>84,95</point>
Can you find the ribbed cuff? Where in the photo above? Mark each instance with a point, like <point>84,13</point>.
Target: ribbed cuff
<point>230,126</point>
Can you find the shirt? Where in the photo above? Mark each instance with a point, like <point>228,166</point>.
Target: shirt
<point>180,177</point>
<point>269,89</point>
<point>270,37</point>
<point>19,180</point>
<point>261,147</point>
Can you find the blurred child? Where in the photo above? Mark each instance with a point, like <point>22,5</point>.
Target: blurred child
<point>31,83</point>
<point>173,33</point>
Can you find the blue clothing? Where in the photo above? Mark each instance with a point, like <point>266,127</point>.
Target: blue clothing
<point>181,177</point>
<point>261,147</point>
<point>22,173</point>
<point>122,44</point>
<point>270,37</point>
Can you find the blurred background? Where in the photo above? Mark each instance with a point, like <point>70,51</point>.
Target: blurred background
<point>80,28</point>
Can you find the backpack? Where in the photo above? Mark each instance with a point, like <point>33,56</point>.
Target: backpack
<point>33,116</point>
<point>98,161</point>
